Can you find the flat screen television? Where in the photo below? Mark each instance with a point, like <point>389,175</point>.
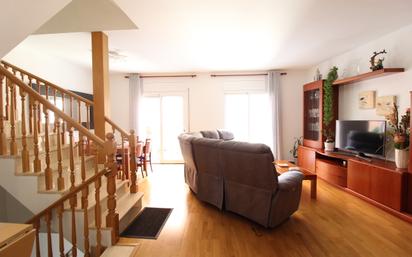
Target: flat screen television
<point>361,136</point>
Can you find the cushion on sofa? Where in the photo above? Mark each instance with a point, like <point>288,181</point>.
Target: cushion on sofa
<point>210,134</point>
<point>225,135</point>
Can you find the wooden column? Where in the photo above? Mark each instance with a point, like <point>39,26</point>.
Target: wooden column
<point>100,65</point>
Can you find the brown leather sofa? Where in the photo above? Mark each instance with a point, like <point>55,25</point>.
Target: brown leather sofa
<point>239,177</point>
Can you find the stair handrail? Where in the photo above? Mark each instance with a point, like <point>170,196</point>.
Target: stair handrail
<point>76,124</point>
<point>66,92</point>
<point>68,195</point>
<point>54,86</point>
<point>116,127</point>
<point>84,131</point>
<point>58,207</point>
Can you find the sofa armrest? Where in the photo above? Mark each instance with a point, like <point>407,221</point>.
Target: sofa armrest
<point>290,181</point>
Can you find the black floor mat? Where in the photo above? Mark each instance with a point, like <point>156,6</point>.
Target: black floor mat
<point>148,224</point>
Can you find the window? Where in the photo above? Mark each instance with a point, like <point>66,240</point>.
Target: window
<point>247,115</point>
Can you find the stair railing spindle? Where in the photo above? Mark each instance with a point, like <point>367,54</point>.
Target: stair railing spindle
<point>38,109</point>
<point>13,145</point>
<point>7,107</point>
<point>97,209</point>
<point>3,138</point>
<point>71,106</point>
<point>125,166</point>
<point>36,226</point>
<point>71,150</point>
<point>61,233</point>
<point>36,161</point>
<point>73,204</point>
<point>64,123</point>
<point>60,179</point>
<point>48,219</point>
<point>55,103</point>
<point>85,194</point>
<point>88,116</point>
<point>48,172</point>
<point>30,102</point>
<point>79,111</point>
<point>24,151</point>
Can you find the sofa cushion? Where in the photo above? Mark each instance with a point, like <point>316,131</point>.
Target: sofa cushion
<point>225,135</point>
<point>210,134</point>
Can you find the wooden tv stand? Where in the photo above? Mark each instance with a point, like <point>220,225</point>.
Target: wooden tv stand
<point>378,181</point>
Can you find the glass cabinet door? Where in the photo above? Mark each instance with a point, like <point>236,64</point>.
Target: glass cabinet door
<point>312,115</point>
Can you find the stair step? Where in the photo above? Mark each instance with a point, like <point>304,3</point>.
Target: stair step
<point>121,250</point>
<point>121,189</point>
<point>128,207</point>
<point>65,167</point>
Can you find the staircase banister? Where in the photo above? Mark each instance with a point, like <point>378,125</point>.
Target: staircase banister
<point>114,125</point>
<point>68,195</point>
<point>84,131</point>
<point>54,86</point>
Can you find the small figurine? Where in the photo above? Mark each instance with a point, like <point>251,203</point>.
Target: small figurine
<point>318,76</point>
<point>377,65</point>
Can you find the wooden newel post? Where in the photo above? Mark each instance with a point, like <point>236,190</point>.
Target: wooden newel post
<point>132,151</point>
<point>112,218</point>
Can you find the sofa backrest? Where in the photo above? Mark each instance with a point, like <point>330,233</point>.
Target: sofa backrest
<point>249,164</point>
<point>206,155</point>
<point>185,141</point>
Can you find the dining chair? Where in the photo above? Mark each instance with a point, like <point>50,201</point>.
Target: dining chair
<point>147,155</point>
<point>138,154</point>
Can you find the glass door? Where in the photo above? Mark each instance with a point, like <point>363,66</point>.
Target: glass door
<point>164,117</point>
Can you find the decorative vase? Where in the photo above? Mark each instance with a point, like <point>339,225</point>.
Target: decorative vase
<point>329,146</point>
<point>401,158</point>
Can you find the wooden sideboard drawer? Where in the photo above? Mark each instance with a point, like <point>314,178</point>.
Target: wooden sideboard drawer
<point>307,158</point>
<point>380,184</point>
<point>331,172</point>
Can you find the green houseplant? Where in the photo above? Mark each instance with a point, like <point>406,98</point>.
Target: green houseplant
<point>328,108</point>
<point>294,150</point>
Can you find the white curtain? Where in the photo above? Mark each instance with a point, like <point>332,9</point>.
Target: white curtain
<point>135,100</point>
<point>273,89</point>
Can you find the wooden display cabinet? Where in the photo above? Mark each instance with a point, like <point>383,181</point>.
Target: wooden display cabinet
<point>313,113</point>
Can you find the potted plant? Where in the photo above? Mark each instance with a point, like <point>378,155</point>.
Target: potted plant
<point>294,150</point>
<point>400,134</point>
<point>328,109</point>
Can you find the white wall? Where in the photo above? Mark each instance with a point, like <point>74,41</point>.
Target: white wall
<point>51,68</point>
<point>398,44</point>
<point>119,100</point>
<point>206,102</point>
<point>291,110</point>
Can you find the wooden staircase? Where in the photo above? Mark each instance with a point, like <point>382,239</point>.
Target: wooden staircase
<point>76,173</point>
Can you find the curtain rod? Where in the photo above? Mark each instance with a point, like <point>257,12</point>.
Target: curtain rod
<point>248,74</point>
<point>165,76</point>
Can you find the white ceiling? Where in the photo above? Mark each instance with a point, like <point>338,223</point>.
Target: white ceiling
<point>225,35</point>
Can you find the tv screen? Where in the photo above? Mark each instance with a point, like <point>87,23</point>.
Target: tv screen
<point>361,136</point>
